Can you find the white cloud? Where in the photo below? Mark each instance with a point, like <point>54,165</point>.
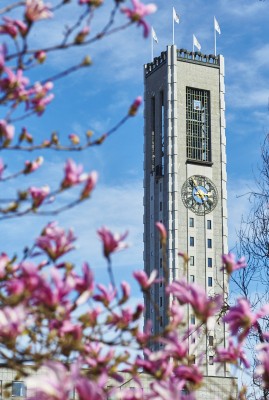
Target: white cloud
<point>243,8</point>
<point>117,207</point>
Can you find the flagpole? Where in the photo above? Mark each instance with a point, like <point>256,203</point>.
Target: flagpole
<point>151,45</point>
<point>215,38</point>
<point>173,27</point>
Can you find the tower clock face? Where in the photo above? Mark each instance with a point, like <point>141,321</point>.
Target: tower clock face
<point>199,194</point>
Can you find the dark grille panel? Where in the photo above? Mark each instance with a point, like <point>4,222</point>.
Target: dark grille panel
<point>198,124</point>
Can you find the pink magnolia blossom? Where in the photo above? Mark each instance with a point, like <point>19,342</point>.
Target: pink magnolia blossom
<point>241,318</point>
<point>15,286</point>
<point>232,354</point>
<point>87,389</point>
<point>144,281</point>
<point>162,230</point>
<point>14,83</point>
<point>157,362</point>
<point>73,174</point>
<point>138,311</point>
<point>135,106</point>
<point>54,241</point>
<point>40,104</point>
<point>144,337</point>
<point>6,130</point>
<point>36,10</point>
<point>4,261</point>
<point>81,36</point>
<point>30,275</point>
<point>12,321</point>
<point>262,370</point>
<point>138,13</point>
<point>55,293</point>
<point>125,287</point>
<point>89,185</point>
<point>193,294</point>
<point>189,373</point>
<point>172,388</point>
<point>2,168</point>
<point>13,26</point>
<point>97,355</point>
<point>26,281</point>
<point>230,263</point>
<point>106,296</point>
<point>54,383</point>
<point>175,346</point>
<point>25,135</point>
<point>31,166</point>
<point>3,53</point>
<point>69,328</point>
<point>40,97</point>
<point>74,138</point>
<point>85,284</point>
<point>176,314</point>
<point>39,195</point>
<point>122,320</point>
<point>91,317</point>
<point>40,56</point>
<point>111,242</point>
<point>134,393</point>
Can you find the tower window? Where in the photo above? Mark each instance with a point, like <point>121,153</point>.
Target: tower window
<point>191,222</point>
<point>191,241</point>
<point>161,262</point>
<point>209,243</point>
<point>198,124</point>
<point>192,261</point>
<point>209,262</point>
<point>192,278</point>
<point>161,301</point>
<point>210,281</point>
<point>210,340</point>
<point>161,321</point>
<point>210,360</point>
<point>18,389</point>
<point>209,224</point>
<point>192,319</point>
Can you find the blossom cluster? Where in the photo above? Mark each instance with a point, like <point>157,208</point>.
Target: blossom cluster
<point>81,325</point>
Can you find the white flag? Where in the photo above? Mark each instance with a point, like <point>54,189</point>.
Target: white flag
<point>216,26</point>
<point>154,36</point>
<point>175,16</point>
<point>196,43</point>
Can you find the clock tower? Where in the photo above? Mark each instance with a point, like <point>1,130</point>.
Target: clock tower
<point>185,185</point>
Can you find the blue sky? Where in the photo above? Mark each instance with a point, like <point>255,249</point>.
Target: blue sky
<point>97,97</point>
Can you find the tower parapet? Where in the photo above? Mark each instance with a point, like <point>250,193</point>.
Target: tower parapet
<point>183,55</point>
